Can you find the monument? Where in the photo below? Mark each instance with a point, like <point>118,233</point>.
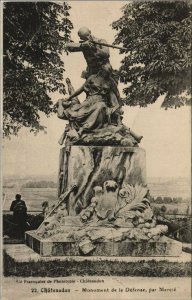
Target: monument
<point>103,204</point>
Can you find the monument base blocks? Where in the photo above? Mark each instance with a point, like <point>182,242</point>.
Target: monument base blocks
<point>66,247</point>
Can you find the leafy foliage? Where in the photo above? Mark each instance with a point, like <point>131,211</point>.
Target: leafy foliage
<point>35,34</point>
<point>157,36</point>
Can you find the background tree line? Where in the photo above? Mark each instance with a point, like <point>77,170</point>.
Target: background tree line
<point>40,184</point>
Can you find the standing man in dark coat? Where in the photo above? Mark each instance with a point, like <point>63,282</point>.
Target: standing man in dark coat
<point>19,209</point>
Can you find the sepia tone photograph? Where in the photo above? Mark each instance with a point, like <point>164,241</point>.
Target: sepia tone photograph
<point>96,150</point>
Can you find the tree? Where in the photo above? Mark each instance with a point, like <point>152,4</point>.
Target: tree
<point>163,209</point>
<point>34,37</point>
<point>159,200</point>
<point>156,210</point>
<point>175,211</point>
<point>157,61</point>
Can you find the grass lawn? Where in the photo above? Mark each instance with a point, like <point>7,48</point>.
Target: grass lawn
<point>91,268</point>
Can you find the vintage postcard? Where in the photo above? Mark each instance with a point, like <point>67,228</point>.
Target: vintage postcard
<point>96,150</point>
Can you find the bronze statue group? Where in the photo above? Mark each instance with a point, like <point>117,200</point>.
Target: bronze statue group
<point>102,104</point>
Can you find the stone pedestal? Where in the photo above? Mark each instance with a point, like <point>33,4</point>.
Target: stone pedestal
<point>66,247</point>
<point>112,197</point>
<point>89,166</point>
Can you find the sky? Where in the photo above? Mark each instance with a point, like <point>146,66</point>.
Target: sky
<point>166,133</point>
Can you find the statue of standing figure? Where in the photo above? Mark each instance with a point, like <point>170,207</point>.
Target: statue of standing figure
<point>96,55</point>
